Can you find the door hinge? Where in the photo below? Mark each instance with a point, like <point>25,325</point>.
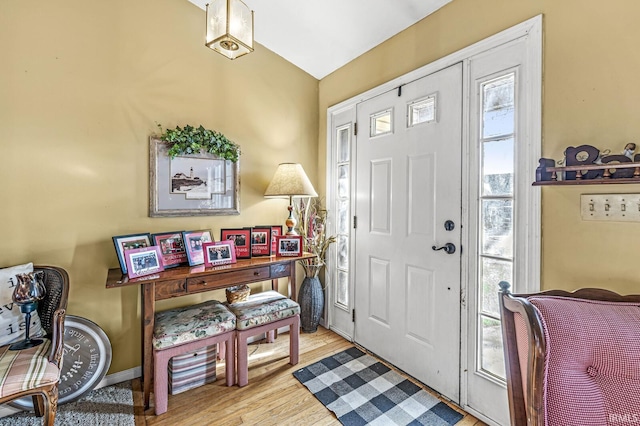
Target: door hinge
<point>353,315</point>
<point>399,91</point>
<point>355,222</point>
<point>355,129</point>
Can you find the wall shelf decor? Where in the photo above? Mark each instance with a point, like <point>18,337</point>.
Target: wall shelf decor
<point>586,166</point>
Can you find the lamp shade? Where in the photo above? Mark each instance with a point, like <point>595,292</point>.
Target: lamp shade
<point>290,180</point>
<point>229,28</point>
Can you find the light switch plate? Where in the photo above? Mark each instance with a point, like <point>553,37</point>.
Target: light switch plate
<point>610,207</point>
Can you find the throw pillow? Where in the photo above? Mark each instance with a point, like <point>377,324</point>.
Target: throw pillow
<point>12,321</point>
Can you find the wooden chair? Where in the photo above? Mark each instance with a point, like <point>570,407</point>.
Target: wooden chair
<point>35,371</point>
<point>571,358</point>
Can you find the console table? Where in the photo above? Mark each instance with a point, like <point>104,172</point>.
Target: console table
<point>185,280</point>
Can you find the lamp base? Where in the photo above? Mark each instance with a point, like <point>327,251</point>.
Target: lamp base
<point>25,344</point>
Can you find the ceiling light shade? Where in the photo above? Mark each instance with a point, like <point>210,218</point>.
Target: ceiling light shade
<point>229,28</point>
<point>290,180</point>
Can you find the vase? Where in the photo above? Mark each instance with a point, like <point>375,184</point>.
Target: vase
<point>311,299</point>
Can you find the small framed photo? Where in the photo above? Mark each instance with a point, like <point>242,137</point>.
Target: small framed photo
<point>219,253</point>
<point>126,242</point>
<point>261,241</point>
<point>172,248</point>
<point>275,231</point>
<point>241,239</point>
<point>289,245</point>
<point>143,261</point>
<point>193,241</point>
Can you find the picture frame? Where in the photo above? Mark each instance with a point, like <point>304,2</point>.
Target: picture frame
<point>143,261</point>
<point>200,184</point>
<point>260,241</point>
<point>275,231</point>
<point>172,248</point>
<point>130,241</point>
<point>241,238</point>
<point>289,246</point>
<point>193,241</point>
<point>219,253</point>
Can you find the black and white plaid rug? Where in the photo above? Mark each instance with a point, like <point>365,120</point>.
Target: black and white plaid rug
<point>360,390</point>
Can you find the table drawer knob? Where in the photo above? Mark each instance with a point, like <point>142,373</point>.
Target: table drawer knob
<point>256,273</point>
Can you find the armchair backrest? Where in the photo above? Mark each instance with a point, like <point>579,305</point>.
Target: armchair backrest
<point>56,281</point>
<point>571,358</point>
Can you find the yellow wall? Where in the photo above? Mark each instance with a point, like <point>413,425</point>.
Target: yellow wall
<point>82,84</point>
<point>591,91</point>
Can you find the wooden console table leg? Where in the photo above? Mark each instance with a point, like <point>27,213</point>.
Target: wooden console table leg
<point>148,320</point>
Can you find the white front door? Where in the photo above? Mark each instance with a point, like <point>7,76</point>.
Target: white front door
<point>408,204</point>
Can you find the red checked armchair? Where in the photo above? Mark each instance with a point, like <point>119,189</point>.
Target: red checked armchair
<point>35,371</point>
<point>572,358</point>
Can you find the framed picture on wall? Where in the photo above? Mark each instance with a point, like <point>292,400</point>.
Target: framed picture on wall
<point>289,245</point>
<point>261,241</point>
<point>192,185</point>
<point>241,238</point>
<point>194,241</point>
<point>219,253</point>
<point>127,242</point>
<point>172,248</point>
<point>143,261</point>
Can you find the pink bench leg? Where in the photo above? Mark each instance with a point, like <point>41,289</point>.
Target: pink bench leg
<point>243,368</point>
<point>161,381</point>
<point>294,337</point>
<point>229,362</point>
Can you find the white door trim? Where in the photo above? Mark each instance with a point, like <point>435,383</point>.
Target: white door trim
<point>529,247</point>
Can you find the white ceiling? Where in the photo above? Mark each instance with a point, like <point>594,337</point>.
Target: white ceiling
<point>320,36</point>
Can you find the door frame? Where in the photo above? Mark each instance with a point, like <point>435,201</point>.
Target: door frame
<point>526,163</point>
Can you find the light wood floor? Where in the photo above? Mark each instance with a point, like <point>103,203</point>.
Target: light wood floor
<point>272,397</point>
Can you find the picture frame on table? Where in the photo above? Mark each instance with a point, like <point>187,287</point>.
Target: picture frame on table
<point>289,246</point>
<point>143,261</point>
<point>260,241</point>
<point>172,248</point>
<point>201,184</point>
<point>219,253</point>
<point>193,242</point>
<point>275,231</point>
<point>241,238</point>
<point>130,241</point>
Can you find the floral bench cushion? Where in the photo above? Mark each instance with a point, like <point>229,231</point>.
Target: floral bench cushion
<point>592,360</point>
<point>26,369</point>
<point>263,308</point>
<point>183,325</point>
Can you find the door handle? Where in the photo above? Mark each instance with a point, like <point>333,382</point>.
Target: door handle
<point>449,248</point>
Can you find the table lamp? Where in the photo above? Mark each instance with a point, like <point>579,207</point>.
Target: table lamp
<point>290,180</point>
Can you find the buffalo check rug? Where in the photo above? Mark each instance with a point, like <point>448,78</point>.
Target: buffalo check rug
<point>361,390</point>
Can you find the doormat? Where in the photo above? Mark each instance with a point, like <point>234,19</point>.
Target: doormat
<point>361,390</point>
<point>108,406</point>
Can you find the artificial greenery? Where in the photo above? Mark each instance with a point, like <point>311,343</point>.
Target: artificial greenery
<point>193,140</point>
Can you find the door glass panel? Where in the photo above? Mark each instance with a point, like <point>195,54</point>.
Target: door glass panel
<point>343,181</point>
<point>343,217</point>
<point>497,228</point>
<point>497,167</point>
<point>342,289</point>
<point>498,107</point>
<point>422,111</point>
<point>343,144</point>
<point>343,251</point>
<point>381,123</point>
<point>493,271</point>
<point>492,356</point>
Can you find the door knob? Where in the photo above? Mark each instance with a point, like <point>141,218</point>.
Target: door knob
<point>450,248</point>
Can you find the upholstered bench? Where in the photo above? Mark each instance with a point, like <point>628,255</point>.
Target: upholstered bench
<point>183,330</point>
<point>264,313</point>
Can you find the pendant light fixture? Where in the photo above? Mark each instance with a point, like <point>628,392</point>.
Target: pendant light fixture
<point>229,28</point>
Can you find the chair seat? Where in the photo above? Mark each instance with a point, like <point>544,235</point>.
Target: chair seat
<point>263,308</point>
<point>26,369</point>
<point>191,323</point>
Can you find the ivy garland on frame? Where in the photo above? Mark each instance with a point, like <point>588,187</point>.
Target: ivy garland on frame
<point>193,140</point>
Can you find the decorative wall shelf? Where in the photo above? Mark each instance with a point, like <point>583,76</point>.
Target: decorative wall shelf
<point>586,167</point>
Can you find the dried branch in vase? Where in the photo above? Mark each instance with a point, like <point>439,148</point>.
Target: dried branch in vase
<point>312,220</point>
